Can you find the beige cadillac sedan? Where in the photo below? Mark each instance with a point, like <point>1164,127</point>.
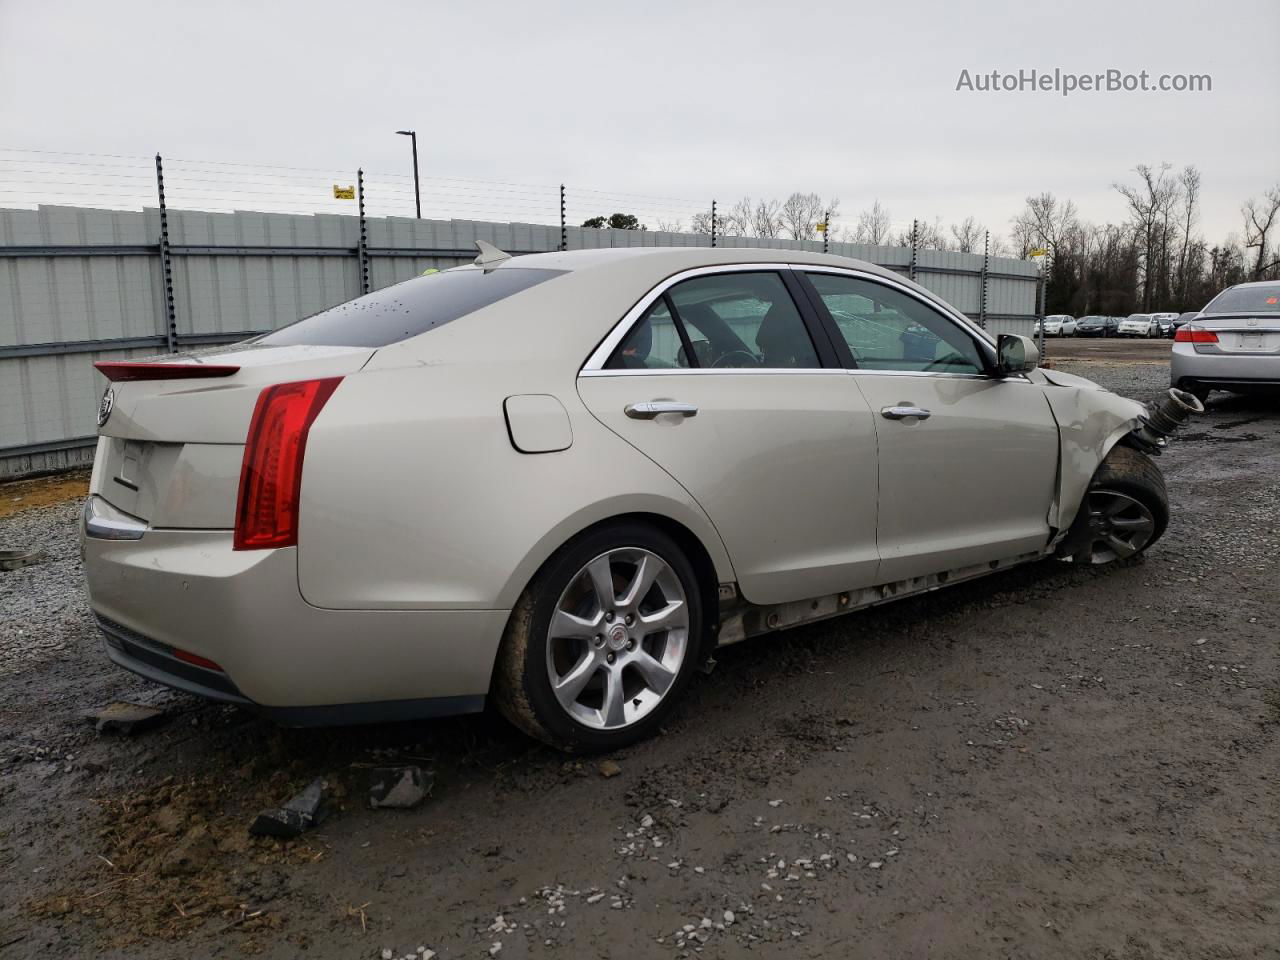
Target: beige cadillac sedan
<point>557,482</point>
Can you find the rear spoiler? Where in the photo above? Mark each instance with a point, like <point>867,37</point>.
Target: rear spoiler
<point>125,370</point>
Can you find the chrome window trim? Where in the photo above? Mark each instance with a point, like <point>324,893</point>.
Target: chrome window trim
<point>595,365</point>
<point>718,371</point>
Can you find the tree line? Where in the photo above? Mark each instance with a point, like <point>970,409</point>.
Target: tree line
<point>1157,258</point>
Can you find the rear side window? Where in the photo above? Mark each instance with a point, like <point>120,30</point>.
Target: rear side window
<point>407,309</point>
<point>1262,299</point>
<point>726,321</point>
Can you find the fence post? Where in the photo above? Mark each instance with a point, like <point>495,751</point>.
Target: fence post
<point>363,249</point>
<point>915,246</point>
<point>713,223</point>
<point>166,265</point>
<point>564,230</point>
<point>826,231</point>
<point>986,264</point>
<point>1041,295</point>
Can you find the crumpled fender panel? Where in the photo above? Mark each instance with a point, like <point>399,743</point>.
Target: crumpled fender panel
<point>1090,422</point>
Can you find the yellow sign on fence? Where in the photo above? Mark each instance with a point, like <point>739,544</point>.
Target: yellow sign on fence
<point>344,193</point>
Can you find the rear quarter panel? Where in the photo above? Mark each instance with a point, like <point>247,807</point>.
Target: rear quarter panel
<point>413,495</point>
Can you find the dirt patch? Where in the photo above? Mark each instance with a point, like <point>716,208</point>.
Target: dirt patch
<point>42,492</point>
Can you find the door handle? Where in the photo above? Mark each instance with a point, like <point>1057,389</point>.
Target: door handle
<point>902,411</point>
<point>652,408</point>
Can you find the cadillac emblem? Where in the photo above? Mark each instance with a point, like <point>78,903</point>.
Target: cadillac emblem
<point>105,406</point>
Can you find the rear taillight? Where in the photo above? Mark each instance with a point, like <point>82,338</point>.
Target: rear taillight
<point>1190,334</point>
<point>271,474</point>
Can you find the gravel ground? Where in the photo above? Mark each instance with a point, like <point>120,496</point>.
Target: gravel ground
<point>1051,762</point>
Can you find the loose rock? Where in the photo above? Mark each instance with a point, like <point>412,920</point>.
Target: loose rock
<point>304,811</point>
<point>399,788</point>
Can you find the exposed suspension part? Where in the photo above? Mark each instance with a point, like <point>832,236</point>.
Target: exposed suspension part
<point>1162,419</point>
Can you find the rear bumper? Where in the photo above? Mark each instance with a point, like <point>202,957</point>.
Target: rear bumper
<point>187,590</point>
<point>1223,371</point>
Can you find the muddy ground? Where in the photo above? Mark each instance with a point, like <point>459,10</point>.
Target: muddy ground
<point>1051,762</point>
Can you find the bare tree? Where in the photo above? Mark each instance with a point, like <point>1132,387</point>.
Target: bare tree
<point>1148,203</point>
<point>801,213</point>
<point>766,220</point>
<point>968,235</point>
<point>700,222</point>
<point>670,226</point>
<point>1259,218</point>
<point>1045,221</point>
<point>873,225</point>
<point>1189,180</point>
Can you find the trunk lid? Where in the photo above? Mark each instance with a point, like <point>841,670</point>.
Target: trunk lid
<point>170,449</point>
<point>1243,334</point>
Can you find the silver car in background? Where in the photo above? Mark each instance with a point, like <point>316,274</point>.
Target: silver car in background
<point>1233,345</point>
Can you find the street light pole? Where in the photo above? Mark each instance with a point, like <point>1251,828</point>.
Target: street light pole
<point>417,195</point>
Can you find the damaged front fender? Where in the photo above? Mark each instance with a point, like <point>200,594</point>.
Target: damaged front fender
<point>1090,422</point>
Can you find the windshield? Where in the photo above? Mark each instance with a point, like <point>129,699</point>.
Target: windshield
<point>1264,298</point>
<point>407,309</point>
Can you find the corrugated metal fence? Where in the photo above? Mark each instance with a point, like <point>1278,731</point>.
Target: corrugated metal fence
<point>79,285</point>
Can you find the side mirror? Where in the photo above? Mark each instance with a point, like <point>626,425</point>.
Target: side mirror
<point>1016,354</point>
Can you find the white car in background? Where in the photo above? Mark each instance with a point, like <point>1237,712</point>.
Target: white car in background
<point>1059,325</point>
<point>558,482</point>
<point>1139,325</point>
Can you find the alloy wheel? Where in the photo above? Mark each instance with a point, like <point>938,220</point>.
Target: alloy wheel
<point>1119,526</point>
<point>617,639</point>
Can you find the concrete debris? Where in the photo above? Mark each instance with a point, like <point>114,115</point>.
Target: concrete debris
<point>305,810</point>
<point>125,718</point>
<point>399,788</point>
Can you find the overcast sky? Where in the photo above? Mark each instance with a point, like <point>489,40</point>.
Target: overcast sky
<point>677,99</point>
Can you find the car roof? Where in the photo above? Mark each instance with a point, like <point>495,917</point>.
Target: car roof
<point>658,260</point>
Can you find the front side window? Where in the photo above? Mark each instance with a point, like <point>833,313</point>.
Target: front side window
<point>720,321</point>
<point>888,330</point>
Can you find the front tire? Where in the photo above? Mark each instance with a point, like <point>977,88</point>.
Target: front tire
<point>1125,510</point>
<point>602,642</point>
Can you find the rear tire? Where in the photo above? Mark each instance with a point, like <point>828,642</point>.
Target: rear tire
<point>1125,510</point>
<point>602,642</point>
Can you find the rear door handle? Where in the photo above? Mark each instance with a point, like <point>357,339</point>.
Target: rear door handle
<point>902,411</point>
<point>652,408</point>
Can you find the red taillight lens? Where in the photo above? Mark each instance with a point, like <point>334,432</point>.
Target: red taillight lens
<point>1190,334</point>
<point>271,474</point>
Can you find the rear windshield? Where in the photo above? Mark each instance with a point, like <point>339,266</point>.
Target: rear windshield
<point>1263,299</point>
<point>407,309</point>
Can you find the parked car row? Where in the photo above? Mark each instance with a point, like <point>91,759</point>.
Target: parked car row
<point>1151,325</point>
